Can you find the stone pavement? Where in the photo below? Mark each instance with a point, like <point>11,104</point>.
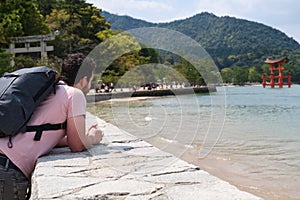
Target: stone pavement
<point>125,167</point>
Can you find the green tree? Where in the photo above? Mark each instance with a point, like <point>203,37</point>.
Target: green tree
<point>45,6</point>
<point>172,75</point>
<point>91,22</point>
<point>190,72</point>
<point>10,20</point>
<point>240,75</point>
<point>20,18</point>
<point>293,66</point>
<point>4,62</point>
<point>208,71</point>
<point>119,54</point>
<point>77,24</point>
<point>254,76</point>
<point>227,75</point>
<point>23,61</point>
<point>66,40</point>
<point>32,20</point>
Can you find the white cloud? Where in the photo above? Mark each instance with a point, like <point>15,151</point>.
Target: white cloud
<point>135,5</point>
<point>254,9</point>
<point>142,9</point>
<point>235,8</point>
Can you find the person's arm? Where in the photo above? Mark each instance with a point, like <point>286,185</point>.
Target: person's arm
<point>77,138</point>
<point>63,142</point>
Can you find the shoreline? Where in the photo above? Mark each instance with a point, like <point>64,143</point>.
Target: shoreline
<point>211,164</point>
<point>123,166</point>
<point>243,182</point>
<point>253,181</point>
<point>96,97</point>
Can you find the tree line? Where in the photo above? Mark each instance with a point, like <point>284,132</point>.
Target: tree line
<point>82,26</point>
<point>236,45</point>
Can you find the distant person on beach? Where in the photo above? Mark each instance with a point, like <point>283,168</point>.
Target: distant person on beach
<point>111,86</point>
<point>134,88</point>
<point>67,104</point>
<point>98,86</point>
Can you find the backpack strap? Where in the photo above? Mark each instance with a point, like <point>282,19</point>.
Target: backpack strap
<point>45,127</point>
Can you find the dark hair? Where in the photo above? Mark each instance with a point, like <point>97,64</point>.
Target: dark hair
<point>75,67</point>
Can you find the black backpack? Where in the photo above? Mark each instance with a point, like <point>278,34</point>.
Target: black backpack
<point>21,92</point>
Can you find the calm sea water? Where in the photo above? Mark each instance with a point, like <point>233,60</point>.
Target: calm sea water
<point>249,136</point>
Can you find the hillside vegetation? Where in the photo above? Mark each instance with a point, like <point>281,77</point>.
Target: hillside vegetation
<point>238,47</point>
<point>232,43</point>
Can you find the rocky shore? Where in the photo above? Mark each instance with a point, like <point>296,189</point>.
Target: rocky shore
<point>125,167</point>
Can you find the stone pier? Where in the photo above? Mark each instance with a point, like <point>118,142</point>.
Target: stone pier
<point>94,97</point>
<point>125,167</point>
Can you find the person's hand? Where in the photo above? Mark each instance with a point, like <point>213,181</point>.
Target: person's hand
<point>95,134</point>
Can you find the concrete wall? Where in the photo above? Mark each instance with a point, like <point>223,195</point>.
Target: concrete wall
<point>125,167</point>
<point>149,93</point>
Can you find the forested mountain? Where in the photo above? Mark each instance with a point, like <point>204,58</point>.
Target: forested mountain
<point>238,47</point>
<point>125,22</point>
<point>230,41</point>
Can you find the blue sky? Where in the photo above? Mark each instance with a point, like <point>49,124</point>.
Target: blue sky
<point>282,15</point>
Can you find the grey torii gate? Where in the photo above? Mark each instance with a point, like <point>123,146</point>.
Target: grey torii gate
<point>42,47</point>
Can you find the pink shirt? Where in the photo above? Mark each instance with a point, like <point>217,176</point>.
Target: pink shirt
<point>67,102</point>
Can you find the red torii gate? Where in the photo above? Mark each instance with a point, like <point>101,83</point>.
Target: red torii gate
<point>276,78</point>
